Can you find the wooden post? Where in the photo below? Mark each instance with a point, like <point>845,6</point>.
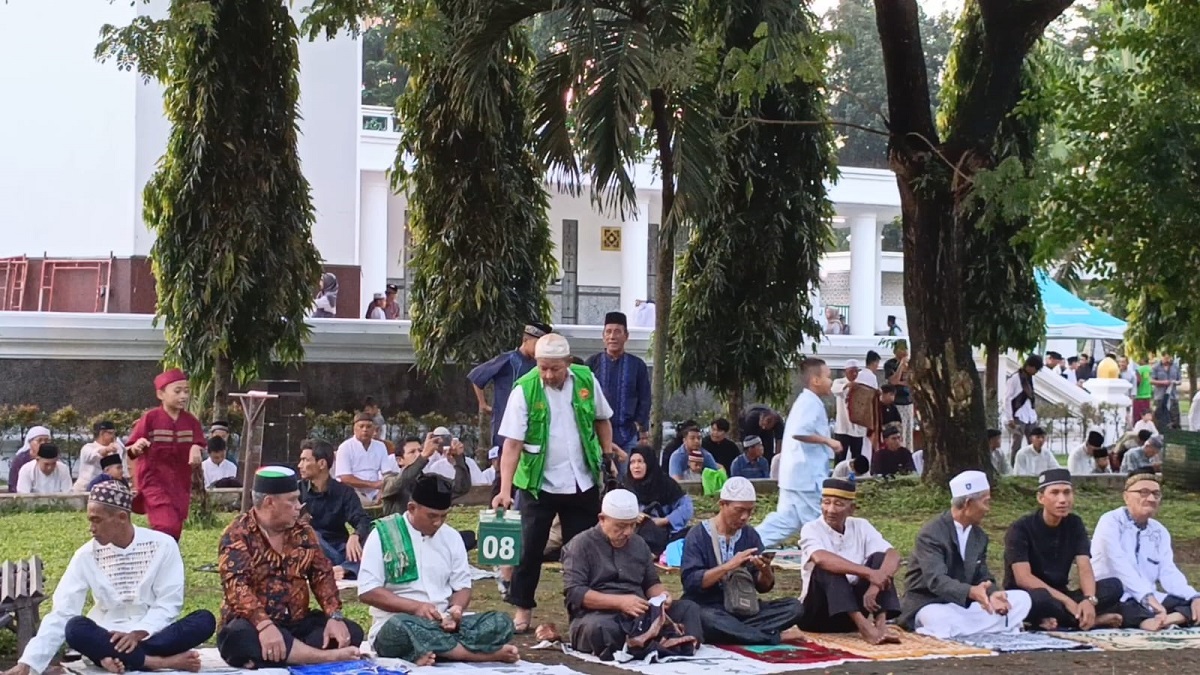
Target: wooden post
<point>254,405</point>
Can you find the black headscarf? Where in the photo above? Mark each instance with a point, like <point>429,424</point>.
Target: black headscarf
<point>656,487</point>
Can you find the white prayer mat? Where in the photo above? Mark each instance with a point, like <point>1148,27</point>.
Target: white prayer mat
<point>1133,639</point>
<point>210,662</point>
<point>448,668</point>
<point>1022,642</point>
<point>709,660</point>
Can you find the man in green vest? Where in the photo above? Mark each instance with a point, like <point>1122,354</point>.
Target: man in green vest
<point>557,432</point>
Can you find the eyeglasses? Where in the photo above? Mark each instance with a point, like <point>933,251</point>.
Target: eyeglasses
<point>1146,494</point>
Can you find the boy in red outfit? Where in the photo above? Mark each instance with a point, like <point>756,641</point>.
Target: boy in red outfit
<point>167,443</point>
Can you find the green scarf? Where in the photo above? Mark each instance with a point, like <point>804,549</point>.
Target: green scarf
<point>399,560</point>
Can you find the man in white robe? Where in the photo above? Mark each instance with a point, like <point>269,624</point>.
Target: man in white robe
<point>135,578</point>
<point>45,475</point>
<point>1090,457</point>
<point>1036,457</point>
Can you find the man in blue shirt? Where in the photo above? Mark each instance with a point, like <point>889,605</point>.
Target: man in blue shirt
<point>625,380</point>
<point>502,372</point>
<point>692,440</point>
<point>751,464</point>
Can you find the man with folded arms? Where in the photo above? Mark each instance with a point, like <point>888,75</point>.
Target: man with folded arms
<point>949,590</point>
<point>1132,546</point>
<point>1039,550</point>
<point>848,569</point>
<point>135,578</point>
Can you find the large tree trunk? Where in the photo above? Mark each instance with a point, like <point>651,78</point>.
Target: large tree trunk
<point>734,401</point>
<point>222,381</point>
<point>991,382</point>
<point>664,282</point>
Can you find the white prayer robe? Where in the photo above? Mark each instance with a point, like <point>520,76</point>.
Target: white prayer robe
<point>1026,413</point>
<point>1030,462</point>
<point>442,570</point>
<point>89,464</point>
<point>842,424</point>
<point>1081,462</point>
<point>136,588</point>
<point>802,468</point>
<point>214,472</point>
<point>368,464</point>
<point>1142,559</point>
<point>31,480</point>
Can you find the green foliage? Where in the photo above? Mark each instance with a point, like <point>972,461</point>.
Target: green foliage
<point>478,210</point>
<point>384,76</point>
<point>1127,152</point>
<point>233,256</point>
<point>743,303</point>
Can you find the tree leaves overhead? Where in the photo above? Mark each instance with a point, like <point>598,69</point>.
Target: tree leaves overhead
<point>231,210</point>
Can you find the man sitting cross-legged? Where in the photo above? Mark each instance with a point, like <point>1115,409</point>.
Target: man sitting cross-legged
<point>1039,550</point>
<point>416,580</point>
<point>848,568</point>
<point>949,590</point>
<point>331,506</point>
<point>1132,546</point>
<point>609,579</point>
<point>269,557</point>
<point>705,573</point>
<point>135,578</point>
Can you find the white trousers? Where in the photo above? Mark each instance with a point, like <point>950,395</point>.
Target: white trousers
<point>795,508</point>
<point>949,620</point>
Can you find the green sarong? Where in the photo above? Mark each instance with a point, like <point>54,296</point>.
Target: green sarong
<point>713,480</point>
<point>399,560</point>
<point>408,637</point>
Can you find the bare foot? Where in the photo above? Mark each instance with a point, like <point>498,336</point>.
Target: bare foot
<point>1154,623</point>
<point>112,665</point>
<point>1049,623</point>
<point>1111,620</point>
<point>547,632</point>
<point>506,654</point>
<point>889,637</point>
<point>790,634</point>
<point>427,660</point>
<point>189,661</point>
<point>338,573</point>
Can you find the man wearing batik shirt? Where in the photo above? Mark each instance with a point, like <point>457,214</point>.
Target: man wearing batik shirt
<point>135,579</point>
<point>265,615</point>
<point>626,380</point>
<point>502,373</point>
<point>166,443</point>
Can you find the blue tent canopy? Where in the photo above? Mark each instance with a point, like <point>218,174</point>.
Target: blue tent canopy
<point>1067,316</point>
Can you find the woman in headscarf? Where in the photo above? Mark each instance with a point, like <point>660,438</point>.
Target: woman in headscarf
<point>34,438</point>
<point>327,297</point>
<point>666,508</point>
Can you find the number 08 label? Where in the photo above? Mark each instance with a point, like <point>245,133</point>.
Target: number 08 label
<point>500,549</point>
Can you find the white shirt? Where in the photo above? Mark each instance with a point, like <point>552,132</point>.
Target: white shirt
<point>1141,559</point>
<point>214,472</point>
<point>843,425</point>
<point>1143,424</point>
<point>804,465</point>
<point>842,470</point>
<point>1081,462</point>
<point>442,570</point>
<point>859,541</point>
<point>1012,389</point>
<point>366,463</point>
<point>868,377</point>
<point>1030,462</point>
<point>1000,462</point>
<point>134,588</point>
<point>377,314</point>
<point>645,315</point>
<point>31,480</point>
<point>963,532</point>
<point>918,459</point>
<point>775,467</point>
<point>565,465</point>
<point>89,463</point>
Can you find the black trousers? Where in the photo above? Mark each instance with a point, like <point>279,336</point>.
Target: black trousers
<point>773,617</point>
<point>600,633</point>
<point>576,512</point>
<point>850,444</point>
<point>1133,613</point>
<point>831,599</point>
<point>238,641</point>
<point>1108,593</point>
<point>88,638</point>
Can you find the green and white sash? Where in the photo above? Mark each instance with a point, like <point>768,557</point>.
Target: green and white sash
<point>399,559</point>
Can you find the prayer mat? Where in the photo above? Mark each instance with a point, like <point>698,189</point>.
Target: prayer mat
<point>1022,642</point>
<point>210,662</point>
<point>797,652</point>
<point>350,668</point>
<point>1132,639</point>
<point>709,660</point>
<point>912,646</point>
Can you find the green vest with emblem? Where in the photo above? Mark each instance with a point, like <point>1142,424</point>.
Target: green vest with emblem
<point>532,467</point>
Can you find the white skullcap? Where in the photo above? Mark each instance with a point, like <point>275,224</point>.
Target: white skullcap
<point>968,483</point>
<point>552,346</point>
<point>441,468</point>
<point>620,505</point>
<point>852,363</point>
<point>738,489</point>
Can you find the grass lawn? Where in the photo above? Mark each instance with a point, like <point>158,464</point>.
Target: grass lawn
<point>898,509</point>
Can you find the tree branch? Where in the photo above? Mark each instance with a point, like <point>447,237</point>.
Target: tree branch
<point>803,123</point>
<point>899,25</point>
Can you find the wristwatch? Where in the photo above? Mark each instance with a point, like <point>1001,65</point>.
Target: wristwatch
<point>1092,599</point>
<point>337,616</point>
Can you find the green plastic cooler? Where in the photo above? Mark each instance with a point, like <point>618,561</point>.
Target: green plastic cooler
<point>499,537</point>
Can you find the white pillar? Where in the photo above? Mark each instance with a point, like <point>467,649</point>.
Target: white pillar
<point>635,240</point>
<point>877,294</point>
<point>864,273</point>
<point>372,237</point>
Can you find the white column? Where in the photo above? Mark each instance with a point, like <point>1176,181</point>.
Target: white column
<point>372,237</point>
<point>635,240</point>
<point>877,295</point>
<point>864,273</point>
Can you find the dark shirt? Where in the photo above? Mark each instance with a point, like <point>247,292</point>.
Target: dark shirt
<point>1050,551</point>
<point>750,427</point>
<point>759,468</point>
<point>14,470</point>
<point>724,452</point>
<point>625,382</point>
<point>887,463</point>
<point>590,563</point>
<point>502,372</point>
<point>889,414</point>
<point>903,395</point>
<point>699,557</point>
<point>333,509</point>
